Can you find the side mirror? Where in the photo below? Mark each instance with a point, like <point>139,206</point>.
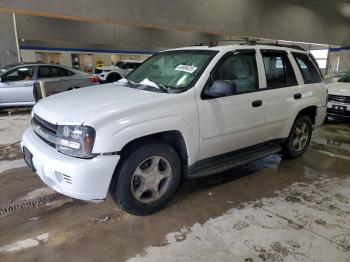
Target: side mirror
<point>220,88</point>
<point>0,79</point>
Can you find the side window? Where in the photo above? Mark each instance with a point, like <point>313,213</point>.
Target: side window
<point>239,68</point>
<point>48,72</point>
<point>55,71</point>
<point>278,69</point>
<point>307,68</point>
<point>19,74</point>
<point>66,72</point>
<point>136,65</point>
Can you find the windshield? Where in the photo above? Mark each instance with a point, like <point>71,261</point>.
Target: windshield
<point>345,79</point>
<point>173,69</point>
<point>6,68</point>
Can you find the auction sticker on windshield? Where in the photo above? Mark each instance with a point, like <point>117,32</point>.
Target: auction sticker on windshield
<point>186,68</point>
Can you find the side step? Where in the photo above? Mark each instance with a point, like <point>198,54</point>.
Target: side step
<point>219,164</point>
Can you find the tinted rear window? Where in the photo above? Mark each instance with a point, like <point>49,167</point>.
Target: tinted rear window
<point>308,69</point>
<point>278,69</point>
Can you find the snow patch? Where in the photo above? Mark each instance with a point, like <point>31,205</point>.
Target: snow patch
<point>25,244</point>
<point>8,165</point>
<point>43,237</point>
<point>37,193</point>
<point>12,128</point>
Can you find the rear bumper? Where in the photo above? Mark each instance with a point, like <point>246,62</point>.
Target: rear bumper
<point>85,179</point>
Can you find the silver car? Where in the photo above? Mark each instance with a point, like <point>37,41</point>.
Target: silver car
<point>17,82</point>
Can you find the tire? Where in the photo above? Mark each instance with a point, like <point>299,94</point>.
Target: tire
<point>127,184</point>
<point>113,77</point>
<point>291,148</point>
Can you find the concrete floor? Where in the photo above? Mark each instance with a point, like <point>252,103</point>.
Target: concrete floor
<point>267,210</point>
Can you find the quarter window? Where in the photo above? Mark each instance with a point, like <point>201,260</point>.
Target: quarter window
<point>278,69</point>
<point>239,68</point>
<point>307,68</point>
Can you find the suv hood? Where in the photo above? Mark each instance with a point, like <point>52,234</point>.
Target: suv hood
<point>339,88</point>
<point>89,104</point>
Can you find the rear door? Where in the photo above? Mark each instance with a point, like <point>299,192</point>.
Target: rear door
<point>54,78</point>
<point>236,121</point>
<point>282,90</point>
<point>16,86</point>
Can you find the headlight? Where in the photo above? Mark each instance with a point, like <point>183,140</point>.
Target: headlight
<point>76,141</point>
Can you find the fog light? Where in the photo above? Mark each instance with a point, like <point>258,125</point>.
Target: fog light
<point>59,176</point>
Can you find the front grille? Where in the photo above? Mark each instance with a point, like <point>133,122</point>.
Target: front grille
<point>48,127</point>
<point>338,112</point>
<point>45,127</point>
<point>98,71</point>
<point>342,99</point>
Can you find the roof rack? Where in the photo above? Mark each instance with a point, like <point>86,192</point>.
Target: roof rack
<point>249,41</point>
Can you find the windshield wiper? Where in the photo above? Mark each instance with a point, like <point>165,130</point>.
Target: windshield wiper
<point>164,88</point>
<point>160,86</point>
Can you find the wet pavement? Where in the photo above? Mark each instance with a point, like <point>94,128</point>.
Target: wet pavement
<point>36,224</point>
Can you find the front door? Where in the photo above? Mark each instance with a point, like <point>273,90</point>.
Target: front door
<point>16,86</point>
<point>232,122</point>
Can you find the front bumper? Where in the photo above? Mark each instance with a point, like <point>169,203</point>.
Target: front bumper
<point>85,179</point>
<point>332,111</point>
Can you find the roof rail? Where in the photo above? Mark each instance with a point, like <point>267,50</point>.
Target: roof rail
<point>215,42</point>
<point>254,42</point>
<point>250,41</point>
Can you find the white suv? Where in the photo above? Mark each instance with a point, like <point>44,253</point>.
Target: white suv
<point>184,113</point>
<point>110,74</point>
<point>339,98</point>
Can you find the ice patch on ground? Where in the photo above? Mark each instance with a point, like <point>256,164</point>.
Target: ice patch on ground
<point>303,223</point>
<point>8,165</point>
<point>12,128</point>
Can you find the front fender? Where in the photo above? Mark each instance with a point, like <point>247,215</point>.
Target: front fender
<point>119,138</point>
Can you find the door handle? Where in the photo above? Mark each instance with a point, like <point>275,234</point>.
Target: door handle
<point>257,103</point>
<point>297,96</point>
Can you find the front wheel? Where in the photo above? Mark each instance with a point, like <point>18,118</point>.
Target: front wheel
<point>299,137</point>
<point>146,179</point>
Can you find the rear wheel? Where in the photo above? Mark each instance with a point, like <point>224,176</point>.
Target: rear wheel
<point>299,137</point>
<point>113,77</point>
<point>146,179</point>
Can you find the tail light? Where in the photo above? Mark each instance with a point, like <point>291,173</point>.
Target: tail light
<point>95,79</point>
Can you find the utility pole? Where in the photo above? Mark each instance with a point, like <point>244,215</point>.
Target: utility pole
<point>16,36</point>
